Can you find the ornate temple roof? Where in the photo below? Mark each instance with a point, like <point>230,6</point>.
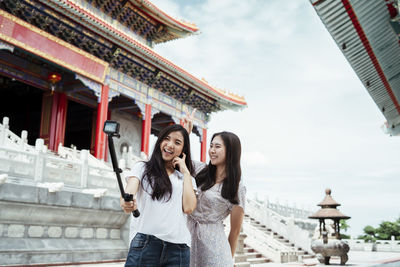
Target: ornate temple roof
<point>100,25</point>
<point>184,27</point>
<point>142,17</point>
<point>367,33</point>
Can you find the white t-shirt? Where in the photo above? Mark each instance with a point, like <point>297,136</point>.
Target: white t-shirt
<point>163,219</point>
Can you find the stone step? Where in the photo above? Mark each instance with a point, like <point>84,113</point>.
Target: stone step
<point>242,264</point>
<point>282,240</point>
<point>261,227</point>
<point>308,256</point>
<point>258,260</point>
<point>240,258</point>
<point>251,255</point>
<point>247,250</point>
<point>257,223</point>
<point>310,261</point>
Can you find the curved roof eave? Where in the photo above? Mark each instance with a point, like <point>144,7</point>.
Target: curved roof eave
<point>167,19</point>
<point>362,32</point>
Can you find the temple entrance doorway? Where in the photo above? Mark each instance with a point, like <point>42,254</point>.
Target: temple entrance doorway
<point>80,127</point>
<point>22,104</point>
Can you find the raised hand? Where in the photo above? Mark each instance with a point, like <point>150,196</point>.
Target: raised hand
<point>188,121</point>
<point>180,163</point>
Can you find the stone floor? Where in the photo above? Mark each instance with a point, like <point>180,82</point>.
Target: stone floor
<point>356,258</point>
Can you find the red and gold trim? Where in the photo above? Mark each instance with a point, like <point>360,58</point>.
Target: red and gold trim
<point>25,36</point>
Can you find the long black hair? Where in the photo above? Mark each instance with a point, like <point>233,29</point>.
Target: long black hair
<point>155,173</point>
<point>206,178</point>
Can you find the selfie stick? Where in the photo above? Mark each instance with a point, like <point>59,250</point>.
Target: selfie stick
<point>111,128</point>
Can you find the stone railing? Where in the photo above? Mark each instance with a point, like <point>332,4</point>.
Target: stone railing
<point>288,211</point>
<point>11,140</point>
<point>73,168</point>
<point>378,245</point>
<point>40,167</point>
<point>128,158</point>
<point>300,215</point>
<point>58,207</point>
<point>284,226</point>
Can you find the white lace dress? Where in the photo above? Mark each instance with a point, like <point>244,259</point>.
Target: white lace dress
<point>210,246</point>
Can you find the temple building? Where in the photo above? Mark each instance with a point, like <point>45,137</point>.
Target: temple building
<point>368,35</point>
<point>66,66</point>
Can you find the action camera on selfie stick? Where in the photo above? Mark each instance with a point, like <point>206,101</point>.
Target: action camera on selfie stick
<point>111,128</point>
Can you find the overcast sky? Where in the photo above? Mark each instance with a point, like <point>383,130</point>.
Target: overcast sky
<point>310,124</point>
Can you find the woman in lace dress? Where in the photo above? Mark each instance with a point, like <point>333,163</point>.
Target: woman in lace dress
<point>220,193</point>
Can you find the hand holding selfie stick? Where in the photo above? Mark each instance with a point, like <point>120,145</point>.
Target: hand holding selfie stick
<point>111,128</point>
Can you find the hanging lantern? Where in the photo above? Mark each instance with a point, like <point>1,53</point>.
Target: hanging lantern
<point>53,78</point>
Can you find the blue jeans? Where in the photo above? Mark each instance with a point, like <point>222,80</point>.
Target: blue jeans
<point>150,251</point>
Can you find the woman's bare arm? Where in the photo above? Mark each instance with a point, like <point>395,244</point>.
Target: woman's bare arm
<point>237,215</point>
<point>189,200</point>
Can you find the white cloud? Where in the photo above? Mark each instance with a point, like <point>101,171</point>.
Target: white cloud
<point>255,158</point>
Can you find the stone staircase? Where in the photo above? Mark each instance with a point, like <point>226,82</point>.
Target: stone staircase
<point>248,256</point>
<point>245,255</point>
<point>297,254</point>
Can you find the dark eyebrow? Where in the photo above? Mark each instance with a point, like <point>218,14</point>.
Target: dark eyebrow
<point>178,139</point>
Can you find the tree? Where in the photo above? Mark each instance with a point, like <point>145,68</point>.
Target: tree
<point>369,230</point>
<point>384,231</point>
<point>344,227</point>
<point>369,235</point>
<point>387,229</point>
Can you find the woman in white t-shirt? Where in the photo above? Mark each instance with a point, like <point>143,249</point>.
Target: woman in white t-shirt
<point>164,197</point>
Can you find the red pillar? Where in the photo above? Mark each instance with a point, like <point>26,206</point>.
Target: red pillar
<point>102,112</point>
<point>146,130</point>
<point>58,120</point>
<point>45,122</point>
<point>203,146</point>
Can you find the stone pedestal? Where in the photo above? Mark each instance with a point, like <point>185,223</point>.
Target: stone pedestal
<point>240,244</point>
<point>240,256</point>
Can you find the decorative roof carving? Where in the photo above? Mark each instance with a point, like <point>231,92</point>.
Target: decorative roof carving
<point>74,25</point>
<point>145,19</point>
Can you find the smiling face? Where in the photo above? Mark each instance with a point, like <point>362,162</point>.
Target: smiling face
<point>172,146</point>
<point>217,151</point>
